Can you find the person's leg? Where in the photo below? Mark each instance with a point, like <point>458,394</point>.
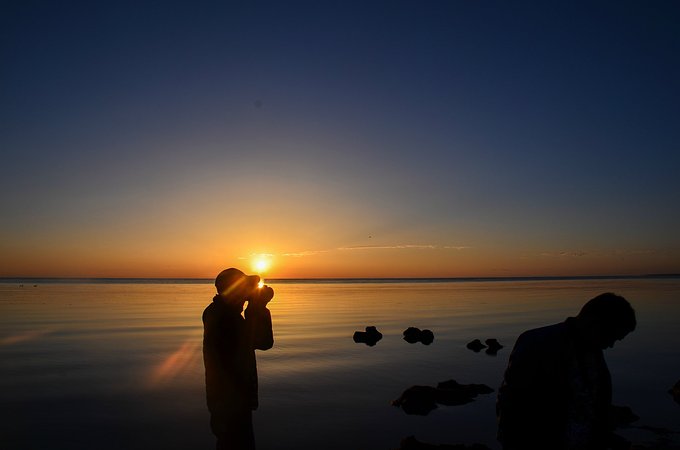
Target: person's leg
<point>218,426</point>
<point>241,431</point>
<point>233,430</point>
<point>248,431</point>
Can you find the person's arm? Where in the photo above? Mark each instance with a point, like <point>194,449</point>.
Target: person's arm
<point>259,319</point>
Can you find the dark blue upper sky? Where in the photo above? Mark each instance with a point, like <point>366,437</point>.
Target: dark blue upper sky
<point>518,130</point>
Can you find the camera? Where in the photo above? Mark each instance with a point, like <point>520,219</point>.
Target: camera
<point>262,296</point>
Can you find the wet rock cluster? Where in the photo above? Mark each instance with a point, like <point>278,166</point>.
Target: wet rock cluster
<point>369,337</point>
<point>413,335</point>
<point>421,400</point>
<point>492,346</point>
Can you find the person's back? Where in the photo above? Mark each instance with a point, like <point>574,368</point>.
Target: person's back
<point>556,393</point>
<point>229,358</point>
<point>534,372</point>
<point>229,343</point>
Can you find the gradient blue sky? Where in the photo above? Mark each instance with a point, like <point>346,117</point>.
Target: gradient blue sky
<point>438,138</point>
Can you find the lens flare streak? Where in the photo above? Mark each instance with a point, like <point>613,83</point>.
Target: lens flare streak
<point>176,364</point>
<point>23,337</point>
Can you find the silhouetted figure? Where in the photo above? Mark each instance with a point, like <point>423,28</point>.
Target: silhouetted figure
<point>557,390</point>
<point>229,343</point>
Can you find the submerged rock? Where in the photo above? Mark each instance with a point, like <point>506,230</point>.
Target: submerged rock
<point>493,346</point>
<point>475,345</point>
<point>421,400</point>
<point>472,389</point>
<point>493,343</point>
<point>411,443</point>
<point>662,444</point>
<point>675,392</point>
<point>426,337</point>
<point>413,335</point>
<point>369,337</point>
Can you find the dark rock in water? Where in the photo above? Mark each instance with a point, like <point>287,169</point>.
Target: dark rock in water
<point>453,397</point>
<point>369,337</point>
<point>675,392</point>
<point>622,416</point>
<point>472,389</point>
<point>661,444</point>
<point>493,343</point>
<point>411,443</point>
<point>373,331</point>
<point>475,345</point>
<point>493,347</point>
<point>421,400</point>
<point>413,335</point>
<point>426,337</point>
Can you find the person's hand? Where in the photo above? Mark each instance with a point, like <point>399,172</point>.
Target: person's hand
<point>262,296</point>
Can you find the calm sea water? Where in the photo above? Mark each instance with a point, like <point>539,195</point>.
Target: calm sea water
<point>119,365</point>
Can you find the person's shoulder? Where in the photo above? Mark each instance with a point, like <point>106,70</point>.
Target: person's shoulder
<point>211,310</point>
<point>544,336</point>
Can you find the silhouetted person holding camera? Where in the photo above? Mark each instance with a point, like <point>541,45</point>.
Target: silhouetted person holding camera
<point>557,392</point>
<point>229,343</point>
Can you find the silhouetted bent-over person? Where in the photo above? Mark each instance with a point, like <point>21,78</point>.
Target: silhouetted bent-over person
<point>229,343</point>
<point>557,392</point>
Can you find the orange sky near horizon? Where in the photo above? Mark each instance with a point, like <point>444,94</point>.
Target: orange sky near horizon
<point>311,231</point>
<point>361,261</point>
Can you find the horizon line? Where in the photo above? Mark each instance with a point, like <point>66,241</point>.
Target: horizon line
<point>339,279</point>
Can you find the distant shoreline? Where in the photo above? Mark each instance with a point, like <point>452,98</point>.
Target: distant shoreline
<point>66,280</point>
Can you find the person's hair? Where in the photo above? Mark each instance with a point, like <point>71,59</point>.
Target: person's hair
<point>612,311</point>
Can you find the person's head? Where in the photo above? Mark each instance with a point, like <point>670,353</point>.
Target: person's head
<point>608,318</point>
<point>234,285</point>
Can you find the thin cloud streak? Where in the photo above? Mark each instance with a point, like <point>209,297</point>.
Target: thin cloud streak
<point>388,247</point>
<point>304,253</point>
<point>376,247</point>
<point>581,253</point>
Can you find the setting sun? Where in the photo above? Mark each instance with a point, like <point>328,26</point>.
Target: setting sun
<point>260,264</point>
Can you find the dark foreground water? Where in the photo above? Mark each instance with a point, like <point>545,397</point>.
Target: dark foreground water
<point>119,366</point>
